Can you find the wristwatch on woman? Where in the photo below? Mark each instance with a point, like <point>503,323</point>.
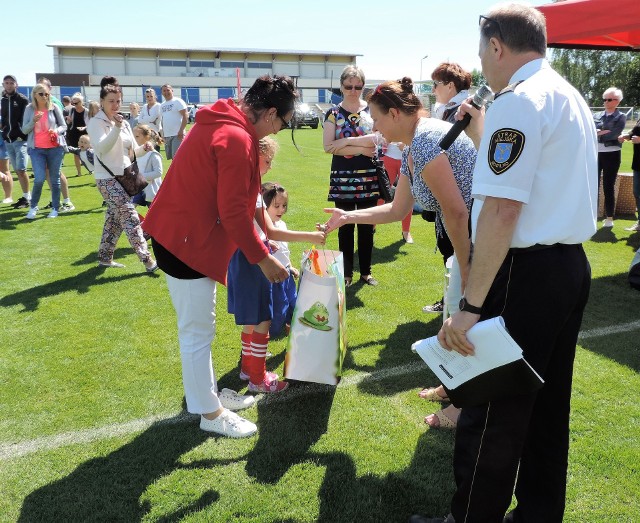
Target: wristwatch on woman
<point>467,307</point>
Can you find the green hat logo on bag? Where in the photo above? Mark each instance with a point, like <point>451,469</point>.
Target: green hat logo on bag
<point>316,317</point>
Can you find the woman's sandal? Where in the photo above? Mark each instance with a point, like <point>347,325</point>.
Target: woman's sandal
<point>431,394</point>
<point>445,421</point>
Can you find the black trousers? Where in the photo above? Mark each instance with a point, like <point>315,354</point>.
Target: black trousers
<point>608,165</point>
<point>346,239</point>
<point>443,242</point>
<point>541,295</point>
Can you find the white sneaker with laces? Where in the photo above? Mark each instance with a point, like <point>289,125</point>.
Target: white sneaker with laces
<point>229,424</point>
<point>31,215</point>
<point>231,400</point>
<point>634,227</point>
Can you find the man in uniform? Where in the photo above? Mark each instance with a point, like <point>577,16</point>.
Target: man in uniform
<point>535,194</point>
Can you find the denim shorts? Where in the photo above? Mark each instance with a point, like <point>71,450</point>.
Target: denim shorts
<point>17,154</point>
<point>4,155</point>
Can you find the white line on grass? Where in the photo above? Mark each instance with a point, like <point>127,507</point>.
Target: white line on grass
<point>16,450</point>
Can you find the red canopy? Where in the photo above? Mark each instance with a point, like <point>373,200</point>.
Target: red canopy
<point>593,24</point>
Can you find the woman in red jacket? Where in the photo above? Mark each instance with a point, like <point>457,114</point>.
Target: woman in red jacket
<point>201,215</point>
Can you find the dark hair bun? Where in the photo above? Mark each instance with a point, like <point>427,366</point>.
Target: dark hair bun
<point>407,84</point>
<point>108,80</point>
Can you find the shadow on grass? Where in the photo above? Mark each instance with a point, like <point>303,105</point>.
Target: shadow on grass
<point>109,488</point>
<point>80,283</point>
<point>424,487</point>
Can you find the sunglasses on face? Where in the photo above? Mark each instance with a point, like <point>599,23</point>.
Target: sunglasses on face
<point>43,95</point>
<point>609,99</point>
<point>352,87</point>
<point>284,122</point>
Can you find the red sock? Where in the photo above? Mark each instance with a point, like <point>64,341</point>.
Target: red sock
<point>245,362</point>
<point>258,369</point>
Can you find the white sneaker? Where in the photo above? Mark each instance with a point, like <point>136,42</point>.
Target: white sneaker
<point>7,200</point>
<point>607,223</point>
<point>229,424</point>
<point>231,400</point>
<point>31,215</point>
<point>634,227</point>
<point>53,214</point>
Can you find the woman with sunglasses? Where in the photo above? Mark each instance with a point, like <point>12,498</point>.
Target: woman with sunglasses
<point>77,120</point>
<point>439,180</point>
<point>203,212</point>
<point>151,112</point>
<point>44,124</point>
<point>353,184</point>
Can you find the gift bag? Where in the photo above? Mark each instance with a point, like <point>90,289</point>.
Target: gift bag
<point>317,340</point>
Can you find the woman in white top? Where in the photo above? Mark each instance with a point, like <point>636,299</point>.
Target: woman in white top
<point>151,112</point>
<point>113,143</point>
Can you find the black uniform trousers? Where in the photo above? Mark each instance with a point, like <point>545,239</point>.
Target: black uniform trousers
<point>541,294</point>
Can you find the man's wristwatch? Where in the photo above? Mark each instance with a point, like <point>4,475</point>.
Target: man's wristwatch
<point>467,307</point>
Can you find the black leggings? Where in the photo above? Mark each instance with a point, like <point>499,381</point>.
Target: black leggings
<point>346,243</point>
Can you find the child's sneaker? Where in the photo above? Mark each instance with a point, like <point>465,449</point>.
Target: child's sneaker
<point>270,376</point>
<point>268,385</point>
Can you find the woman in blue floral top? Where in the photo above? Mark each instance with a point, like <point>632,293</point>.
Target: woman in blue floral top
<point>439,180</point>
<point>353,184</point>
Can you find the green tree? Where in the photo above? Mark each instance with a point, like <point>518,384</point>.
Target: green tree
<point>592,72</point>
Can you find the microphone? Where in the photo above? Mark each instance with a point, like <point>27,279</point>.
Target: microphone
<point>482,96</point>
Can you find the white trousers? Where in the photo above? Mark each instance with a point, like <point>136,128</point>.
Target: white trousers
<point>195,305</point>
<point>453,291</point>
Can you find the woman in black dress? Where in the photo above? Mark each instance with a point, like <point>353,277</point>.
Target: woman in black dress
<point>77,125</point>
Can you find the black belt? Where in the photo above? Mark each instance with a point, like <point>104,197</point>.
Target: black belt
<point>540,247</point>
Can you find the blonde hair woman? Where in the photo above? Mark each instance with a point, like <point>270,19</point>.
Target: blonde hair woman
<point>44,124</point>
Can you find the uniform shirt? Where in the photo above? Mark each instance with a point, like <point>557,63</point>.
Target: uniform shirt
<point>538,148</point>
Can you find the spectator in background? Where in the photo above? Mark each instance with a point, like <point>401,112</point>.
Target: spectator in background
<point>450,86</point>
<point>151,112</point>
<point>5,173</point>
<point>114,144</point>
<point>77,120</point>
<point>134,113</point>
<point>353,184</point>
<point>64,184</point>
<point>45,126</point>
<point>66,108</point>
<point>12,107</point>
<point>94,108</point>
<point>609,125</point>
<point>174,121</point>
<point>634,137</point>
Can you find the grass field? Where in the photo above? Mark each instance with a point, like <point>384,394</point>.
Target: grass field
<point>92,421</point>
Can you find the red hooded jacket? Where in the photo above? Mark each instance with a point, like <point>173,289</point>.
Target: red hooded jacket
<point>205,206</point>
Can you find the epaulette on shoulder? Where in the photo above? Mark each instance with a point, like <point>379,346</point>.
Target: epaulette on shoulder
<point>508,89</point>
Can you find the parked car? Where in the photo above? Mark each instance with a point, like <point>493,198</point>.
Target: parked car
<point>305,115</point>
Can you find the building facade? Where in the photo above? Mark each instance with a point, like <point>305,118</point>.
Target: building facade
<point>198,76</point>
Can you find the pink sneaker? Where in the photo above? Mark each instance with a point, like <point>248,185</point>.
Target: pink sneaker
<point>270,376</point>
<point>268,385</point>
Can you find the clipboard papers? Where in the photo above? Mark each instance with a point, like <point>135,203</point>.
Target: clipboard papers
<point>497,368</point>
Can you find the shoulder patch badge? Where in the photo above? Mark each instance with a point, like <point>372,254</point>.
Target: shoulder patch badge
<point>505,148</point>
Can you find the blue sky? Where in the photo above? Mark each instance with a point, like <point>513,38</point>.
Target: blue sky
<point>392,41</point>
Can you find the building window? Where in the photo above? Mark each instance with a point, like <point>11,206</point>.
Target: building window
<point>173,63</point>
<point>190,95</point>
<point>202,63</point>
<point>259,65</point>
<point>231,64</point>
